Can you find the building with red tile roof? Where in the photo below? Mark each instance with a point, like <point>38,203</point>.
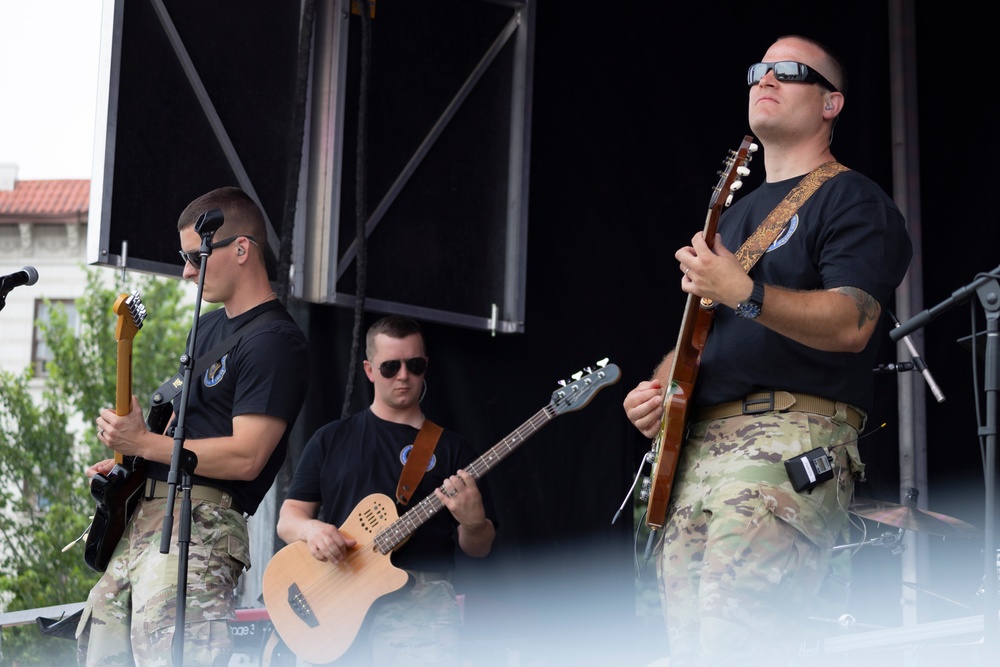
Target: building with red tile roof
<point>43,224</point>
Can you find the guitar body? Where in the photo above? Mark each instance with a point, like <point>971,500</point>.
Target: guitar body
<point>691,339</point>
<point>684,372</point>
<point>318,607</point>
<point>117,495</point>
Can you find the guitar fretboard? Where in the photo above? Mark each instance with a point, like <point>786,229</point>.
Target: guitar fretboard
<point>401,529</point>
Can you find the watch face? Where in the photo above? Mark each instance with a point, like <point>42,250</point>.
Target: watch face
<point>748,310</point>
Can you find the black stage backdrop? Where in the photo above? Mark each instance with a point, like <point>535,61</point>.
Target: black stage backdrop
<point>635,105</point>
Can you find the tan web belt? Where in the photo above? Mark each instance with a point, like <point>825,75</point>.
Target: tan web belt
<point>778,401</point>
<point>208,494</point>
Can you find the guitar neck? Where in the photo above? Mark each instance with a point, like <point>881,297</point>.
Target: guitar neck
<point>123,388</point>
<point>401,529</point>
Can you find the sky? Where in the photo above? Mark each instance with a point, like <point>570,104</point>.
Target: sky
<point>49,68</point>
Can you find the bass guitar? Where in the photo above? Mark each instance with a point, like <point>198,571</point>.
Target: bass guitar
<point>118,492</point>
<point>318,607</point>
<point>697,321</point>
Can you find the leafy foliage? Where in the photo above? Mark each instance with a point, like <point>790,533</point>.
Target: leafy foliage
<point>46,445</point>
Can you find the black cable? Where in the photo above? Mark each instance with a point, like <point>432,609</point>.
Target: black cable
<point>284,262</point>
<point>360,204</point>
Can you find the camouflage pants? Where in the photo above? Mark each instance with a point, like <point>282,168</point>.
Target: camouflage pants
<point>417,626</point>
<point>130,614</point>
<point>744,557</point>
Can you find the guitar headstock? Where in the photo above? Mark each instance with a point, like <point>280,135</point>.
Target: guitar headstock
<point>131,314</point>
<point>575,393</point>
<point>730,177</point>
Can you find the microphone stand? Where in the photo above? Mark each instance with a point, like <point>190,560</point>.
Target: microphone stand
<point>987,287</point>
<point>182,461</point>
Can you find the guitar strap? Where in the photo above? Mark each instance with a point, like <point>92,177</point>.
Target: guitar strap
<point>169,389</point>
<point>416,462</point>
<point>777,220</point>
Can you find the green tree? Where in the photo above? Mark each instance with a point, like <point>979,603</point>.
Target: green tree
<point>45,502</point>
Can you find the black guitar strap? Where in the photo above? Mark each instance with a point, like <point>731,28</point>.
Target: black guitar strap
<point>163,396</point>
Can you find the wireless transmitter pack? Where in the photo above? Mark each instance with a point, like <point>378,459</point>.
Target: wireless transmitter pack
<point>812,468</point>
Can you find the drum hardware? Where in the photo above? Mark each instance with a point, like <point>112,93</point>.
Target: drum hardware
<point>909,517</point>
<point>889,540</point>
<point>920,589</point>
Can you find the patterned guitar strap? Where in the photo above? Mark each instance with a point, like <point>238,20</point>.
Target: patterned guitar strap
<point>776,222</point>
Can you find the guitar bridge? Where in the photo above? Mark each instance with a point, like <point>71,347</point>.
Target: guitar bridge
<point>300,606</point>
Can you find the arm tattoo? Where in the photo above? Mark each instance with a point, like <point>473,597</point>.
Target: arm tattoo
<point>868,308</point>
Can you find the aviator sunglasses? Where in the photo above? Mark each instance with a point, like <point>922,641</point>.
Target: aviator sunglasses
<point>788,70</point>
<point>194,258</point>
<point>416,366</point>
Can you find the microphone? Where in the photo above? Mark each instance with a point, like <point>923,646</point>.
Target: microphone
<point>919,363</point>
<point>897,367</point>
<point>26,276</point>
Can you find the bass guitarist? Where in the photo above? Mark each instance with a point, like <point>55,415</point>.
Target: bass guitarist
<point>239,415</point>
<point>785,370</point>
<point>347,460</point>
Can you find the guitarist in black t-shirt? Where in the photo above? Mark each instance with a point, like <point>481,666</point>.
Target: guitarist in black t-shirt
<point>239,414</point>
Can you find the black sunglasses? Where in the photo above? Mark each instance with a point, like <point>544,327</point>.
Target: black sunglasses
<point>788,70</point>
<point>416,365</point>
<point>194,258</point>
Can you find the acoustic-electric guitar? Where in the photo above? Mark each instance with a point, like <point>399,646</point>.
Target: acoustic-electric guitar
<point>318,607</point>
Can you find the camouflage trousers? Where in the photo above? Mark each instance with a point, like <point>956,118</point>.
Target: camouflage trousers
<point>745,560</point>
<point>417,626</point>
<point>130,614</point>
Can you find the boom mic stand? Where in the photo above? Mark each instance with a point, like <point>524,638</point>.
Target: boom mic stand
<point>182,461</point>
<point>987,287</point>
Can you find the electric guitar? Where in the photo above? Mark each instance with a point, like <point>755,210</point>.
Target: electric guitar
<point>318,607</point>
<point>118,493</point>
<point>698,316</point>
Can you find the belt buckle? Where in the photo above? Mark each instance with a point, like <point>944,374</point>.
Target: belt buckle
<point>767,401</point>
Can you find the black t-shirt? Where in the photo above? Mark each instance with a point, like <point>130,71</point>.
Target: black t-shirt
<point>848,234</point>
<point>349,459</point>
<point>265,373</point>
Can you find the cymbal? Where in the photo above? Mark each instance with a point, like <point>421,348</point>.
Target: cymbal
<point>912,518</point>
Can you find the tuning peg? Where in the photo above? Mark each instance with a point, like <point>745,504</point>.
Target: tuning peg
<point>577,375</point>
<point>736,185</point>
<point>743,171</point>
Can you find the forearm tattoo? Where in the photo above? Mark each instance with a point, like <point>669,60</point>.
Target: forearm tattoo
<point>868,308</point>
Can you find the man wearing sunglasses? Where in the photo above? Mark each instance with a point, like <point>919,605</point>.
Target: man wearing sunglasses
<point>785,380</point>
<point>239,414</point>
<point>351,458</point>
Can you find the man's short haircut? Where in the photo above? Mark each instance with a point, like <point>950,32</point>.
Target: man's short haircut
<point>393,326</point>
<point>241,215</point>
<point>837,74</point>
